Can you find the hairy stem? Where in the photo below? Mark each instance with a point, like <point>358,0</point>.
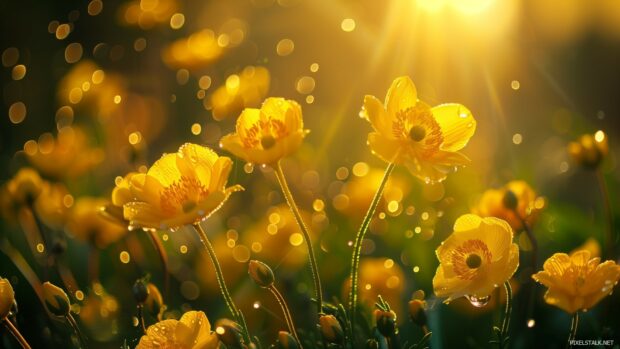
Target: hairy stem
<point>357,247</point>
<point>15,332</point>
<point>573,329</point>
<point>222,283</point>
<point>507,313</point>
<point>286,311</point>
<point>304,230</point>
<point>76,329</point>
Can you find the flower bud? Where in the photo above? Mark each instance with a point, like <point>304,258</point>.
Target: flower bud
<point>510,200</point>
<point>286,341</point>
<point>229,333</point>
<point>331,329</point>
<point>56,300</point>
<point>589,150</point>
<point>154,302</point>
<point>140,291</point>
<point>260,273</point>
<point>7,296</point>
<point>386,322</point>
<point>372,344</point>
<point>417,313</point>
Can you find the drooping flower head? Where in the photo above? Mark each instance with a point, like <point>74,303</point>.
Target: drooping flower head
<point>514,202</point>
<point>589,150</point>
<point>86,223</point>
<point>577,282</point>
<point>410,132</point>
<point>266,135</point>
<point>181,188</point>
<point>193,330</point>
<point>478,257</point>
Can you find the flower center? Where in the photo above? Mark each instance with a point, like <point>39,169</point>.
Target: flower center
<point>184,195</point>
<point>473,261</point>
<point>417,133</point>
<point>510,200</point>
<point>468,257</point>
<point>267,141</point>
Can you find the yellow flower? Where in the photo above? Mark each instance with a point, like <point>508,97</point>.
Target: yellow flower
<point>589,150</point>
<point>577,282</point>
<point>410,132</point>
<point>24,187</point>
<point>67,156</point>
<point>502,203</point>
<point>86,223</point>
<point>192,331</point>
<point>268,134</point>
<point>181,188</point>
<point>52,205</point>
<point>478,257</point>
<point>7,296</point>
<point>196,51</point>
<point>121,194</point>
<point>243,90</point>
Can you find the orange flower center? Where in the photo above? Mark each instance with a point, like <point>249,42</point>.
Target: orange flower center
<point>417,125</point>
<point>184,194</point>
<point>265,133</point>
<point>469,257</point>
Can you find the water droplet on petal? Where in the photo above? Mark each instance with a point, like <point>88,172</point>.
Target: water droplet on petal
<point>478,302</point>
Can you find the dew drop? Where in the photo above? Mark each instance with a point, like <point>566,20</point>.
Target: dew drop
<point>478,302</point>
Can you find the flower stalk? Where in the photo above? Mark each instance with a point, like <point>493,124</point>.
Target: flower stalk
<point>288,195</point>
<point>357,247</point>
<point>286,311</point>
<point>76,329</point>
<point>573,329</point>
<point>222,283</point>
<point>507,313</point>
<point>15,332</point>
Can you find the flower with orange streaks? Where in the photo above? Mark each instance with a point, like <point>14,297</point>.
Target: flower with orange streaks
<point>408,131</point>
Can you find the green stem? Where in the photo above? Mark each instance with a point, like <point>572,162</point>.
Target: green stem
<point>357,249</point>
<point>76,329</point>
<point>15,332</point>
<point>222,283</point>
<point>573,329</point>
<point>609,238</point>
<point>507,313</point>
<point>304,229</point>
<point>286,312</point>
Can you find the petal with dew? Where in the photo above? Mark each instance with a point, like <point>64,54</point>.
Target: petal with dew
<point>457,125</point>
<point>401,95</point>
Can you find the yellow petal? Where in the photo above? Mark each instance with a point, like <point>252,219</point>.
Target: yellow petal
<point>232,143</point>
<point>497,235</point>
<point>287,111</point>
<point>401,95</point>
<point>193,325</point>
<point>219,175</point>
<point>457,125</point>
<point>142,214</point>
<point>159,335</point>
<point>146,188</point>
<point>557,264</point>
<point>374,111</point>
<point>385,148</point>
<point>467,222</point>
<point>165,170</point>
<point>248,118</point>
